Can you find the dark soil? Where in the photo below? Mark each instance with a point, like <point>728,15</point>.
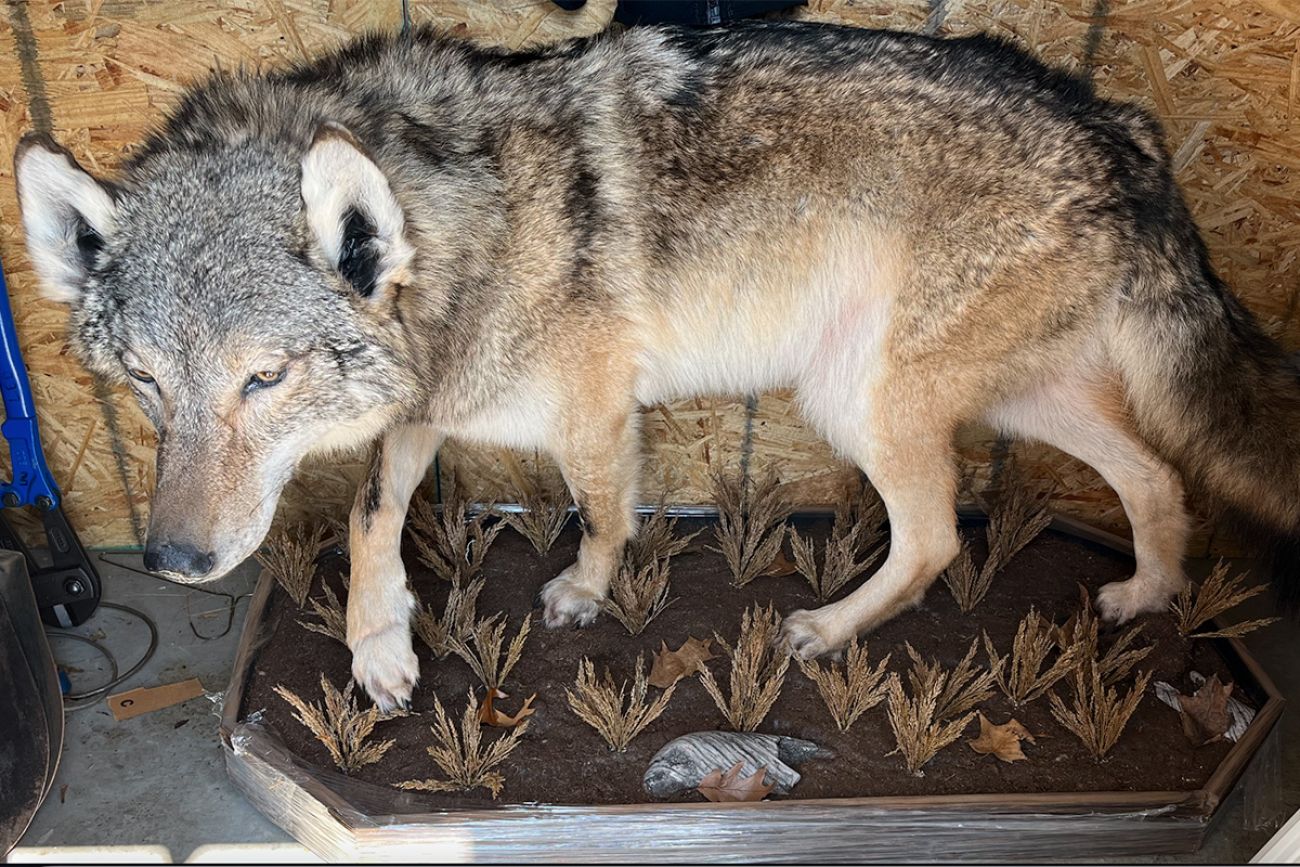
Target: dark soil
<point>561,760</point>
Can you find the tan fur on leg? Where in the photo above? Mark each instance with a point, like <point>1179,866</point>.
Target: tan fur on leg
<point>909,461</point>
<point>379,603</point>
<point>1082,413</point>
<point>599,454</point>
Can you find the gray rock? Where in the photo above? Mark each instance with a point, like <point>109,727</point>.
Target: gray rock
<point>684,762</point>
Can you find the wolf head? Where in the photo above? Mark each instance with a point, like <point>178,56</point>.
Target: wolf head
<point>246,294</point>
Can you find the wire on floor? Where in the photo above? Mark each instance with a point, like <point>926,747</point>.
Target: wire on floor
<point>84,698</point>
<point>232,600</point>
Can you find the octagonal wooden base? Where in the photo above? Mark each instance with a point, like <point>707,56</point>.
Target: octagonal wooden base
<point>349,820</point>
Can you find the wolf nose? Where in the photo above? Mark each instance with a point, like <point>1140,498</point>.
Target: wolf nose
<point>180,558</point>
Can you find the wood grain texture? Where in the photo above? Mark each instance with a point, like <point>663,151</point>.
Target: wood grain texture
<point>1223,75</point>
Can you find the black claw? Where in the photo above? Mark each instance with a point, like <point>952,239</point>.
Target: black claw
<point>537,600</point>
<point>578,624</point>
<point>406,704</point>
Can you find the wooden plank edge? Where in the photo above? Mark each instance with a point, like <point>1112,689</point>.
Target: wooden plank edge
<point>250,639</point>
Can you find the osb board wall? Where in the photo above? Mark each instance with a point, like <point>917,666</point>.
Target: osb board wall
<point>1223,74</point>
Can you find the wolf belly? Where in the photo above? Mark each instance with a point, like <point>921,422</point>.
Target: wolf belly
<point>816,327</point>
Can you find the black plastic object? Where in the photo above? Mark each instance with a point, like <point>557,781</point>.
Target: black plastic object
<point>67,591</point>
<point>31,728</point>
<point>697,12</point>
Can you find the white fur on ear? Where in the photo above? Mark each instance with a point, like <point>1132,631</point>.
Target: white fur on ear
<point>59,201</point>
<point>338,178</point>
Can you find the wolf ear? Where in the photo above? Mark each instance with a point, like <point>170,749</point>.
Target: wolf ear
<point>352,211</point>
<point>67,215</point>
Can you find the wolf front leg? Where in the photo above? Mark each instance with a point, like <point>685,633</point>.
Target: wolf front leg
<point>379,603</point>
<point>600,460</point>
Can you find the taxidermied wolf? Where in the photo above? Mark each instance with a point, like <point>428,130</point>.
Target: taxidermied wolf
<point>414,239</point>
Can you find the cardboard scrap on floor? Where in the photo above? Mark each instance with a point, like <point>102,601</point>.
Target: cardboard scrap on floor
<point>147,699</point>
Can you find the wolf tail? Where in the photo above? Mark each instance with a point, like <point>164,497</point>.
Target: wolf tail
<point>1207,388</point>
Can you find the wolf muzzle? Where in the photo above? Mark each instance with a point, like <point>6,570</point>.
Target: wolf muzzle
<point>177,558</point>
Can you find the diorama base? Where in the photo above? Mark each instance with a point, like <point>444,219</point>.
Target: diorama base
<point>567,798</point>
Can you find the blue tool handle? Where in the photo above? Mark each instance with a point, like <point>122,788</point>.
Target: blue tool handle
<point>32,483</point>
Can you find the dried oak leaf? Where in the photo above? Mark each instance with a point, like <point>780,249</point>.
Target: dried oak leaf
<point>1205,714</point>
<point>1002,741</point>
<point>780,566</point>
<point>721,787</point>
<point>670,666</point>
<point>488,715</point>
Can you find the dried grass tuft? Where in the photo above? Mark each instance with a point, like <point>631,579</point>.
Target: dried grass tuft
<point>1081,636</point>
<point>853,535</point>
<point>332,615</point>
<point>938,707</point>
<point>1022,678</point>
<point>339,530</point>
<point>450,542</point>
<point>462,756</point>
<point>850,690</point>
<point>750,523</point>
<point>960,689</point>
<point>1097,713</point>
<point>919,734</point>
<point>481,649</point>
<point>964,580</point>
<point>609,709</point>
<point>339,725</point>
<point>545,512</point>
<point>457,620</point>
<point>636,599</point>
<point>290,555</point>
<point>656,539</point>
<point>758,664</point>
<point>639,591</point>
<point>864,512</point>
<point>1016,520</point>
<point>1217,594</point>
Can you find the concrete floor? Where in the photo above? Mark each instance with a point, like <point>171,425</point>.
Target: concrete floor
<point>154,789</point>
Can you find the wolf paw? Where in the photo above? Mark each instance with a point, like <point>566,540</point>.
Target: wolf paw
<point>1121,601</point>
<point>385,665</point>
<point>810,634</point>
<point>567,602</point>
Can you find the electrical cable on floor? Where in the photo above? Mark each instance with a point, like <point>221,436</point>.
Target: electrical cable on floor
<point>116,679</point>
<point>232,600</point>
<point>102,650</point>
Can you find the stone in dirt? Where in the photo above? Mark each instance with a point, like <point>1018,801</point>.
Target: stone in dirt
<point>685,762</point>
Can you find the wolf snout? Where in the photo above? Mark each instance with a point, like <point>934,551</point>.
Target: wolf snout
<point>178,558</point>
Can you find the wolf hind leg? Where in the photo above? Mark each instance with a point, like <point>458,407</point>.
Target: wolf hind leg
<point>908,458</point>
<point>1083,414</point>
<point>379,603</point>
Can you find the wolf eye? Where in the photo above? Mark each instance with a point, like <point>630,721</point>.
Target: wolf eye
<point>264,379</point>
<point>138,374</point>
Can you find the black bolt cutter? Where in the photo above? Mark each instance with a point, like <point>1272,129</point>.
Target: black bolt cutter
<point>68,590</point>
